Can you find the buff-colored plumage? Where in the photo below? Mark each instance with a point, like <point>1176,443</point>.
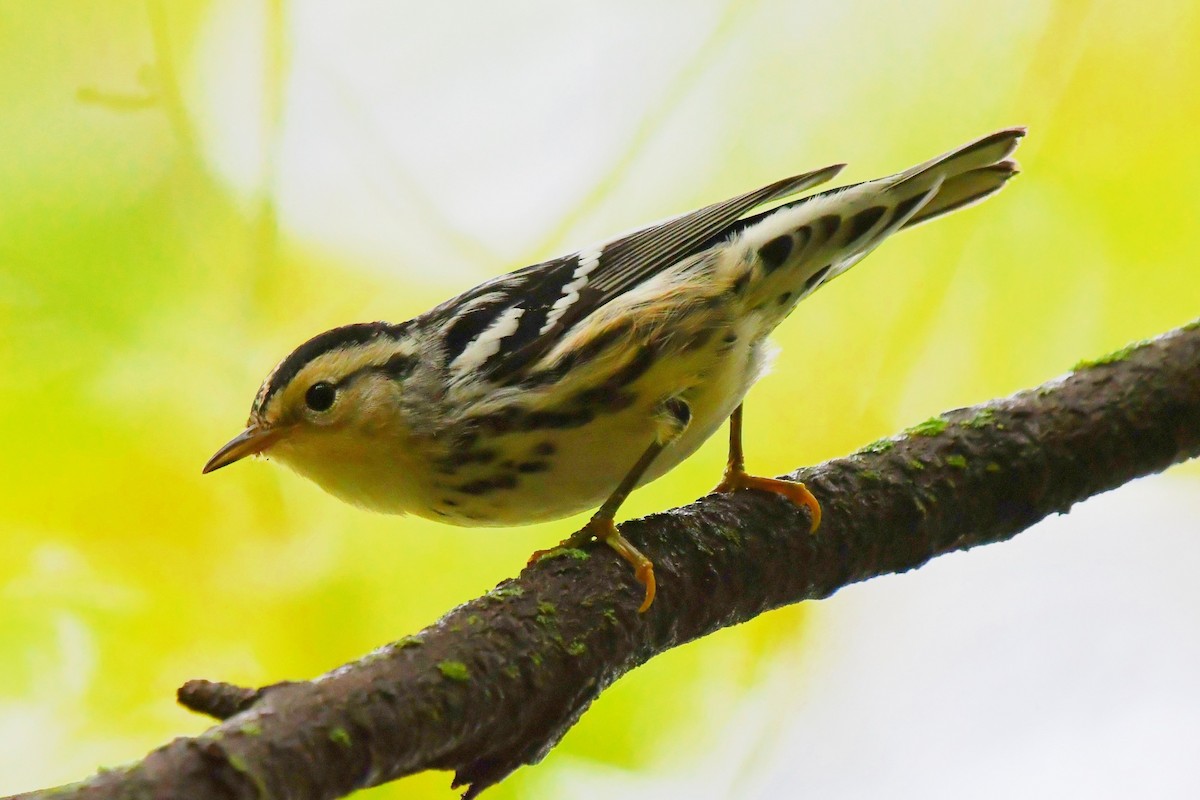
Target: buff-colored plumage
<point>563,386</point>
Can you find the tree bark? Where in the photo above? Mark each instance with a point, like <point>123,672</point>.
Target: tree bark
<point>497,682</point>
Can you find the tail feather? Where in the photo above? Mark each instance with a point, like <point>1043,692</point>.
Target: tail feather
<point>805,243</point>
<point>965,189</point>
<point>989,151</point>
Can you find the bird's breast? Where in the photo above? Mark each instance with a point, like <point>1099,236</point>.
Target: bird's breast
<point>554,466</point>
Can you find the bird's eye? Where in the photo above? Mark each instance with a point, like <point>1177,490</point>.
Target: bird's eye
<point>320,396</point>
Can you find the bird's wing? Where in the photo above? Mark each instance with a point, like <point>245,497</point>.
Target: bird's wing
<point>503,325</point>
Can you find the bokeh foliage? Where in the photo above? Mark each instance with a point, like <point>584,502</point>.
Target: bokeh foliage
<point>177,213</point>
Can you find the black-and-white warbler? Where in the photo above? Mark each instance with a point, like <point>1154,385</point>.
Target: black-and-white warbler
<point>565,385</point>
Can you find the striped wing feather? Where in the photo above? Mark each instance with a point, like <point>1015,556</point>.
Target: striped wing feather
<point>507,324</point>
<point>557,294</point>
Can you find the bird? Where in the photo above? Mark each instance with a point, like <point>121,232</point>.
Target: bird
<point>563,386</point>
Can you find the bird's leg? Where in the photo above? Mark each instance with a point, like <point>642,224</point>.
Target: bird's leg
<point>674,418</point>
<point>736,477</point>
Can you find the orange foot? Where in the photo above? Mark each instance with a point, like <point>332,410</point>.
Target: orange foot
<point>576,539</point>
<point>795,491</point>
<point>538,555</point>
<point>604,529</point>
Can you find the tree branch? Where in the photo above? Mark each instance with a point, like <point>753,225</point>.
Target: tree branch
<point>497,682</point>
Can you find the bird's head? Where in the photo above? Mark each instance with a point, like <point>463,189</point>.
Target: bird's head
<point>332,410</point>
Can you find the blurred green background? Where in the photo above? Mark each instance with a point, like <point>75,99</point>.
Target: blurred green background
<point>190,189</point>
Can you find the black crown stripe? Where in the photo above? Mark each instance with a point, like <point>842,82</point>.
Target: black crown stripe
<point>347,335</point>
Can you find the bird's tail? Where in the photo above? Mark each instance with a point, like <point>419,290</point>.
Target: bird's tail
<point>966,175</point>
<point>804,244</point>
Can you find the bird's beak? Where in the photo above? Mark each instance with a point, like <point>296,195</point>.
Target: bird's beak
<point>253,440</point>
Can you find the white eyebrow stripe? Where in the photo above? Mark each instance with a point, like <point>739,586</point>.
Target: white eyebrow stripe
<point>588,261</point>
<point>488,342</point>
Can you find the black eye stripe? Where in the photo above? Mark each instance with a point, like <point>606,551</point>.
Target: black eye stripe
<point>398,366</point>
<point>346,336</point>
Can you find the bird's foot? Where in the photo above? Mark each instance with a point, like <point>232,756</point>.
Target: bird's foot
<point>576,539</point>
<point>605,530</point>
<point>736,479</point>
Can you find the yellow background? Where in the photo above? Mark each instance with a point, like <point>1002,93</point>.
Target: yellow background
<point>177,213</point>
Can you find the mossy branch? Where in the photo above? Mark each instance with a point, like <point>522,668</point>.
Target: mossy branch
<point>496,683</point>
